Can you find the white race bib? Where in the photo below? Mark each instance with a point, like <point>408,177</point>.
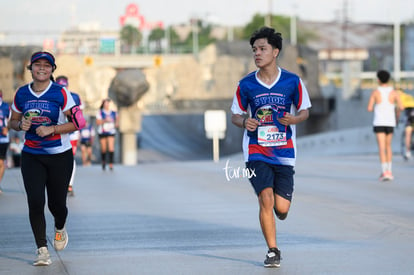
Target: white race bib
<point>108,126</point>
<point>270,136</point>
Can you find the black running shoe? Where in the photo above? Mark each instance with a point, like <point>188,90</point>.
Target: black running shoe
<point>272,258</point>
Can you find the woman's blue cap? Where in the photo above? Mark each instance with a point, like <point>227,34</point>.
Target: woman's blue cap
<point>43,55</point>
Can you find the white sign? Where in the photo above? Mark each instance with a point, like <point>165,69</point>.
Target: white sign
<point>215,123</point>
<point>215,126</point>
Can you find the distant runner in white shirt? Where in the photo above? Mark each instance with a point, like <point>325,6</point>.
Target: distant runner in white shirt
<point>386,104</point>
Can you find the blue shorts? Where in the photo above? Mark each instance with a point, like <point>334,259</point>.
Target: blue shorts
<point>278,177</point>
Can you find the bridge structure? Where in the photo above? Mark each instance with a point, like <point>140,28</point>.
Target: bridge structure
<point>133,61</point>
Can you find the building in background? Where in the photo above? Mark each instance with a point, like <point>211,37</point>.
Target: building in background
<point>408,48</point>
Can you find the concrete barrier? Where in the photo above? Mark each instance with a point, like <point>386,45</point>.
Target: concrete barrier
<point>359,140</point>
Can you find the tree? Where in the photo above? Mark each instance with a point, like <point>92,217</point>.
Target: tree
<point>280,24</point>
<point>203,35</point>
<point>157,35</point>
<point>131,37</point>
<point>174,39</point>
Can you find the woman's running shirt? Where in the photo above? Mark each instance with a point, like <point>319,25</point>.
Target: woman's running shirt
<point>384,112</point>
<point>4,118</point>
<point>109,118</point>
<point>272,142</point>
<point>45,109</point>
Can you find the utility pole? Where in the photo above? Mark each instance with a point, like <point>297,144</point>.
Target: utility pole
<point>397,52</point>
<point>345,26</point>
<point>268,18</point>
<point>293,27</point>
<point>195,37</point>
<point>397,46</point>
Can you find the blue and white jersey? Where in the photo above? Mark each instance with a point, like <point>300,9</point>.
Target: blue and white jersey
<point>4,118</point>
<point>45,109</point>
<point>272,142</point>
<point>87,133</point>
<point>109,122</point>
<point>75,135</point>
<point>77,99</point>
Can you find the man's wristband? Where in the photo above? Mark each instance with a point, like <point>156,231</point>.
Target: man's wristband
<point>244,122</point>
<point>19,125</point>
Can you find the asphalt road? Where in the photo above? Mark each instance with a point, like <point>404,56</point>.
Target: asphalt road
<point>199,218</point>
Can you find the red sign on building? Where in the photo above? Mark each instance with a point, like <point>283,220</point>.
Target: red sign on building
<point>134,18</point>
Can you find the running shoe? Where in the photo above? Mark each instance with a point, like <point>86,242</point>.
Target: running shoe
<point>383,177</point>
<point>272,258</point>
<point>407,155</point>
<point>61,239</point>
<point>386,176</point>
<point>389,175</point>
<point>43,257</point>
<point>70,191</point>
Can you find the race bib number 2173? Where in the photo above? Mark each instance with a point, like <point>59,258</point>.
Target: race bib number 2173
<point>270,136</point>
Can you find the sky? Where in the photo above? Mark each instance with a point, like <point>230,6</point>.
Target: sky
<point>31,20</point>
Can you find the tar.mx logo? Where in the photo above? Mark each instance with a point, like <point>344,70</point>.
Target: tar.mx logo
<point>237,172</point>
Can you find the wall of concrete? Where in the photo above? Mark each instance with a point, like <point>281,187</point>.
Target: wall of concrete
<point>358,140</point>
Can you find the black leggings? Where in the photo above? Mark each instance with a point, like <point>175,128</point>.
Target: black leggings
<point>50,172</point>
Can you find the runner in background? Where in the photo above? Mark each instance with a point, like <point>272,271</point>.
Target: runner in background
<point>16,147</point>
<point>87,137</point>
<point>407,101</point>
<point>386,105</point>
<point>74,136</point>
<point>107,121</point>
<point>4,134</point>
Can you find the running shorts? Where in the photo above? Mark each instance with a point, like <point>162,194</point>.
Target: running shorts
<point>278,177</point>
<point>409,113</point>
<point>384,129</point>
<point>3,150</point>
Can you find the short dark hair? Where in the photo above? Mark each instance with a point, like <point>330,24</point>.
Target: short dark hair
<point>383,76</point>
<point>61,77</point>
<point>273,38</point>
